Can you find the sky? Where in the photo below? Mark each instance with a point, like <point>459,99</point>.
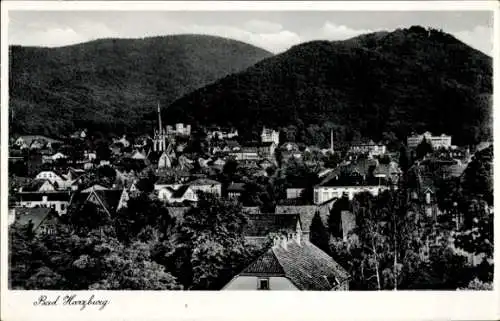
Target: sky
<point>275,31</point>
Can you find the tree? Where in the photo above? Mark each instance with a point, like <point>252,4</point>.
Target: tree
<point>423,148</point>
<point>211,243</point>
<point>318,235</point>
<point>140,213</point>
<point>335,217</point>
<point>131,268</point>
<point>403,159</point>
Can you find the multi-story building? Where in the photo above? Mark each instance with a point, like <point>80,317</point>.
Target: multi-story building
<point>370,148</point>
<point>270,136</point>
<point>437,142</point>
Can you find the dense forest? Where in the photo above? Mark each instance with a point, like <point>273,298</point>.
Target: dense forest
<point>376,85</point>
<point>381,86</point>
<point>115,84</point>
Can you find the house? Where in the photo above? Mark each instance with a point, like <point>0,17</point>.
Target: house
<point>255,151</point>
<point>207,186</point>
<point>235,190</point>
<point>260,227</point>
<point>177,195</point>
<point>108,200</point>
<point>292,264</point>
<point>53,177</point>
<point>57,200</point>
<point>370,148</point>
<point>53,158</point>
<point>35,142</point>
<point>437,142</point>
<point>270,136</point>
<point>350,180</point>
<point>164,161</point>
<point>294,192</point>
<point>41,219</point>
<point>39,185</point>
<point>179,130</point>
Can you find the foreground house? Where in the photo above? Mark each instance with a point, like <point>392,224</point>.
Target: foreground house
<point>292,264</point>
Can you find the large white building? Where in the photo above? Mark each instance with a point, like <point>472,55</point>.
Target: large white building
<point>270,136</point>
<point>437,142</point>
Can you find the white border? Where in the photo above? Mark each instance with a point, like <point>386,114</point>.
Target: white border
<point>401,305</point>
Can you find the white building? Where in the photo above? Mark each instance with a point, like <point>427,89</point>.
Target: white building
<point>270,136</point>
<point>58,201</point>
<point>206,186</point>
<point>326,193</point>
<point>437,142</point>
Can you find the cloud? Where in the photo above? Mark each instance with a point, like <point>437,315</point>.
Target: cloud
<point>56,36</point>
<point>261,26</point>
<point>53,37</point>
<point>273,41</point>
<point>480,37</point>
<point>332,31</point>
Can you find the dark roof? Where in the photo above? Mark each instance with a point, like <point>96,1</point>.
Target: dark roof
<point>267,264</point>
<point>263,224</point>
<point>178,193</point>
<point>306,213</point>
<point>305,265</point>
<point>109,199</point>
<point>37,215</point>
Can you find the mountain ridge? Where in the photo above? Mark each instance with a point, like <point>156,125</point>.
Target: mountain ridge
<point>373,85</point>
<point>56,90</point>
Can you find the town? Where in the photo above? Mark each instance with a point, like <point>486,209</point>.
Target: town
<point>202,208</point>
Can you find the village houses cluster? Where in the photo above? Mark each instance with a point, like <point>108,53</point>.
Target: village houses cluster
<point>178,174</point>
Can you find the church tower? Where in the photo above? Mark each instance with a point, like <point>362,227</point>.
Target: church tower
<point>160,135</point>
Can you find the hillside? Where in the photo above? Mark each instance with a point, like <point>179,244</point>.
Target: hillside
<point>380,85</point>
<point>114,84</point>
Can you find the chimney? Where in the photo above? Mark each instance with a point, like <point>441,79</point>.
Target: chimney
<point>276,241</point>
<point>298,237</point>
<point>284,241</point>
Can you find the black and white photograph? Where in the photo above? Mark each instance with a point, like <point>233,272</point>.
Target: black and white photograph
<point>161,150</point>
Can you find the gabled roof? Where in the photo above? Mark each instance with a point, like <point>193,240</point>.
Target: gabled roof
<point>37,216</point>
<point>305,265</point>
<point>36,184</point>
<point>260,225</point>
<point>179,192</point>
<point>107,199</point>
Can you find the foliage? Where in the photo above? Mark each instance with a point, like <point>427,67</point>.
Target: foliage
<point>399,82</point>
<point>112,85</point>
<point>423,148</point>
<point>318,234</point>
<point>211,244</point>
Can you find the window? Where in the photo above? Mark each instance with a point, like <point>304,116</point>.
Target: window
<point>263,284</point>
<point>62,207</point>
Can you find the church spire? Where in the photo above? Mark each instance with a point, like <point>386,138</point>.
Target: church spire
<point>159,120</point>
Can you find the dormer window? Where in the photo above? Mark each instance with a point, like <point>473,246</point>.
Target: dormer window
<point>263,284</point>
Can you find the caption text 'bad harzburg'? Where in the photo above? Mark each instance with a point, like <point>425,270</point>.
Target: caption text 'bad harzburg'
<point>71,300</point>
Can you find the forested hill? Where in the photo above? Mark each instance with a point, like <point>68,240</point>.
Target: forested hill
<point>114,84</point>
<point>378,85</point>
